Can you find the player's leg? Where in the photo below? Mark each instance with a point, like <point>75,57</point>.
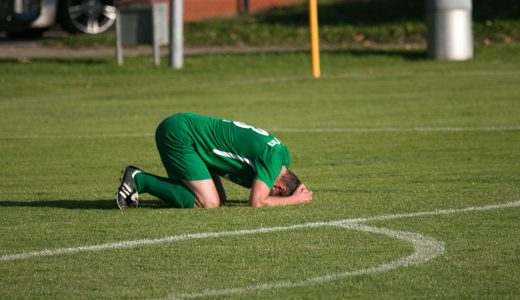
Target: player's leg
<point>173,192</point>
<point>195,176</point>
<point>205,192</point>
<point>135,182</point>
<point>182,162</point>
<point>220,188</point>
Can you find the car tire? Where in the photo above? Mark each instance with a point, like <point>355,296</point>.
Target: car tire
<point>87,16</point>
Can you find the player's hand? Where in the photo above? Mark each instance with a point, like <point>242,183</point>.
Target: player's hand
<point>303,194</point>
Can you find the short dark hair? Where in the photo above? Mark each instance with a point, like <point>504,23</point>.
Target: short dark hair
<point>291,182</point>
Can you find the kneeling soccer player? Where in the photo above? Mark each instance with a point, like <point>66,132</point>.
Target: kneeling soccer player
<point>197,150</point>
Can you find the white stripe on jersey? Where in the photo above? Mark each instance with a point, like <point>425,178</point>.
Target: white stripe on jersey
<point>234,156</point>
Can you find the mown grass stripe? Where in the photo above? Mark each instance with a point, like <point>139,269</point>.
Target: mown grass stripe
<point>289,130</point>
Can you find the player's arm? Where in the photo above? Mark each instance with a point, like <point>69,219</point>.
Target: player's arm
<point>260,196</point>
<point>220,188</point>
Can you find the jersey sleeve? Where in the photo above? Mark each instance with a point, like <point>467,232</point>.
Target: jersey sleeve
<point>269,164</point>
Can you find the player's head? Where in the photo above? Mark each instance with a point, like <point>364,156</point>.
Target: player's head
<point>285,185</point>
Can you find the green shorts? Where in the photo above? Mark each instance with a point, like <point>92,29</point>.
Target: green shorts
<point>177,152</point>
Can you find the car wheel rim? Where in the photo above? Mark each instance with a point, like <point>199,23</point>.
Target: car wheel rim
<point>91,16</point>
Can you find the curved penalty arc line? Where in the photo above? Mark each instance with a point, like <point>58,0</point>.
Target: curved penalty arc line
<point>425,249</point>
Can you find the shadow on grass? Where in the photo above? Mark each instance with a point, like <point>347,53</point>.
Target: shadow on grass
<point>413,54</point>
<point>235,203</point>
<point>77,204</point>
<point>97,204</point>
<point>357,51</point>
<point>348,12</point>
<point>89,61</point>
<point>406,54</point>
<point>375,12</point>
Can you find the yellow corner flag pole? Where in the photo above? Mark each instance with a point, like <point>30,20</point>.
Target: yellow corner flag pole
<point>315,44</point>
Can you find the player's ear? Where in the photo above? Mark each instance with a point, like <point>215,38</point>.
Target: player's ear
<point>282,188</point>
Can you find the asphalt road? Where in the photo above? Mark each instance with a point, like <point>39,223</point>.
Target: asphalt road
<point>24,50</point>
<point>33,48</point>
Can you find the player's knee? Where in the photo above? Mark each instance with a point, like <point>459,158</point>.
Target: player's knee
<point>206,195</point>
<point>209,203</point>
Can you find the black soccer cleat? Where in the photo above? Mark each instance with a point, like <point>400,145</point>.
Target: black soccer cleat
<point>126,193</point>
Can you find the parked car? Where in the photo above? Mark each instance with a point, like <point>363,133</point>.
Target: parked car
<point>23,17</point>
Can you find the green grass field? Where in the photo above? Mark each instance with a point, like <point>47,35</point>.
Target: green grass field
<point>381,133</point>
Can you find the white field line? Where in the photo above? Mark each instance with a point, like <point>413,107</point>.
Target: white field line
<point>185,237</point>
<point>425,249</point>
<point>79,136</point>
<point>101,136</point>
<point>396,129</point>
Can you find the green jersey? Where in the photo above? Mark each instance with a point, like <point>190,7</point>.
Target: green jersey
<point>235,150</point>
